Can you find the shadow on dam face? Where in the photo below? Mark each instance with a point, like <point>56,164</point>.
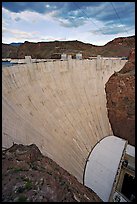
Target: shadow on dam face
<point>60,106</point>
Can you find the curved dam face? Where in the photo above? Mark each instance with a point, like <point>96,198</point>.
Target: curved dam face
<point>60,106</point>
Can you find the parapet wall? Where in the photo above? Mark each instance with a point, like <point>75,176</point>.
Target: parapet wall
<point>60,106</point>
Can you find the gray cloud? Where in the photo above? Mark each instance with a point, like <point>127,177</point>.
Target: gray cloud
<point>112,30</point>
<point>76,14</point>
<point>17,19</point>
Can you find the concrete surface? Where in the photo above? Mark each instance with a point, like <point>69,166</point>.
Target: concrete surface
<point>60,106</point>
<point>103,164</point>
<point>130,150</point>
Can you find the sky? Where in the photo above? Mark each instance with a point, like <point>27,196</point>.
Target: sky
<point>90,22</point>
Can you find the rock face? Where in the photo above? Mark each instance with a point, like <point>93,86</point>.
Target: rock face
<point>117,47</point>
<point>28,176</point>
<point>9,51</point>
<point>120,92</point>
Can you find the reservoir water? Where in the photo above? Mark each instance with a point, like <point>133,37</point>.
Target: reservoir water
<point>6,63</point>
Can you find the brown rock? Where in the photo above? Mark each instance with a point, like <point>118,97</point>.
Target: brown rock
<point>41,181</point>
<point>117,47</point>
<point>120,93</point>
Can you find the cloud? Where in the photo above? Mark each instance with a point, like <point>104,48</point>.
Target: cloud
<point>47,6</point>
<point>20,34</point>
<point>112,30</point>
<point>18,7</point>
<point>28,15</point>
<point>42,7</point>
<point>72,22</point>
<point>56,20</point>
<point>70,14</point>
<point>51,38</point>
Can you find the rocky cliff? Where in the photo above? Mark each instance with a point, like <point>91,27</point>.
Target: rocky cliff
<point>9,51</point>
<point>28,176</point>
<point>117,47</point>
<point>120,92</point>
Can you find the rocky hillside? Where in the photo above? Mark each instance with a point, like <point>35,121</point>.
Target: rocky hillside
<point>120,92</point>
<point>28,176</point>
<point>9,51</point>
<point>117,47</point>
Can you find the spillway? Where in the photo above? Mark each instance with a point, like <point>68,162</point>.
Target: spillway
<point>60,106</point>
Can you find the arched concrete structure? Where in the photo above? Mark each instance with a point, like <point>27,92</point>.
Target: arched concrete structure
<point>60,106</point>
<point>111,161</point>
<point>103,164</point>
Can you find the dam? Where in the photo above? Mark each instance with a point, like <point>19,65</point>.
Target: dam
<point>60,106</point>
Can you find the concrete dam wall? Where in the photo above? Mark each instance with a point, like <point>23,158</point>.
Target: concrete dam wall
<point>60,106</point>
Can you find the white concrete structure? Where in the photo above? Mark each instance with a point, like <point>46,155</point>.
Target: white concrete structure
<point>130,150</point>
<point>69,57</point>
<point>23,61</point>
<point>6,59</point>
<point>102,166</point>
<point>79,56</point>
<point>18,61</point>
<point>58,105</point>
<point>64,56</point>
<point>99,61</point>
<point>28,59</point>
